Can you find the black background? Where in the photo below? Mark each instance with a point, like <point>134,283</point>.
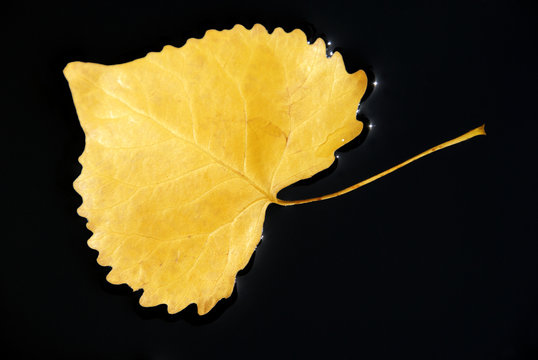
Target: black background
<point>435,261</point>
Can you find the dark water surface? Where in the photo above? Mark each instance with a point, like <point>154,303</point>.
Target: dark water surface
<point>435,261</point>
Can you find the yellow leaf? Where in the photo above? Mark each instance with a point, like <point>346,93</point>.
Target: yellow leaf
<point>186,148</point>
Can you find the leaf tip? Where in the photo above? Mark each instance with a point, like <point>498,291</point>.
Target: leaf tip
<point>73,68</point>
<point>68,69</point>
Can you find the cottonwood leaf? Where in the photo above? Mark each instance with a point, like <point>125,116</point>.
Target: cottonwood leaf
<point>186,148</point>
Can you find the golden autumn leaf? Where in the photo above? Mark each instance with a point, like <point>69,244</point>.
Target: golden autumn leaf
<point>186,148</point>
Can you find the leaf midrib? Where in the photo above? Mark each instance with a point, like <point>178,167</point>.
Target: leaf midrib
<point>205,151</point>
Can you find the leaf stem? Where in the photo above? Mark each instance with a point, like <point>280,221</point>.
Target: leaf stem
<point>478,131</point>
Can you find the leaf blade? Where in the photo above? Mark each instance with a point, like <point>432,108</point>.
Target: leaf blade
<point>186,148</point>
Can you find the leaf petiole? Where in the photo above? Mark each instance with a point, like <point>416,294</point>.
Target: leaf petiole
<point>468,135</point>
